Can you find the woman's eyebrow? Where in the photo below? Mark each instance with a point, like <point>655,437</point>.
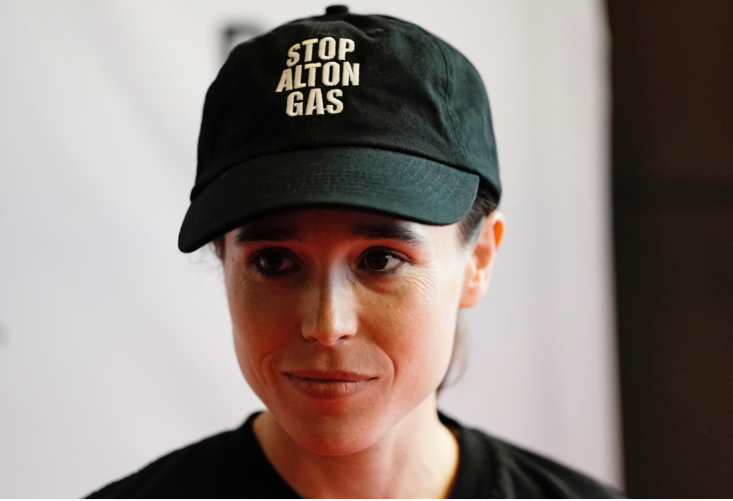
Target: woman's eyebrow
<point>257,233</point>
<point>386,231</point>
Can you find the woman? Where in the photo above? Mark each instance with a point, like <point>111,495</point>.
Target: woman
<point>348,180</point>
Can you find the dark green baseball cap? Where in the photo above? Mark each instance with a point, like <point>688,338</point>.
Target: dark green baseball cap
<point>366,112</point>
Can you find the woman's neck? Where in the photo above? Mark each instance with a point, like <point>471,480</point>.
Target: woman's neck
<point>418,458</point>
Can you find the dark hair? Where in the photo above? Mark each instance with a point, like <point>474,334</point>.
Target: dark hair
<point>468,227</point>
<point>484,204</point>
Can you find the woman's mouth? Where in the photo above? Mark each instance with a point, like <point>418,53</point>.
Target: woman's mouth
<point>328,385</point>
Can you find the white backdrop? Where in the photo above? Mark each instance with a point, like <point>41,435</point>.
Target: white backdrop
<point>115,348</point>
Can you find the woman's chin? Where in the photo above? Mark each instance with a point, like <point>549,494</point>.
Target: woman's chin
<point>336,435</point>
<point>336,444</point>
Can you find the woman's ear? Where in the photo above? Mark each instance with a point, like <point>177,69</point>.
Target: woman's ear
<point>481,260</point>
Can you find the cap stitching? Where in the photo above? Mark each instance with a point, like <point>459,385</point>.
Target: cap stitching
<point>202,184</point>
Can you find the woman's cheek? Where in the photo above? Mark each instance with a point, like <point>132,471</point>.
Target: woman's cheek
<point>262,321</point>
<point>257,304</point>
<point>414,326</point>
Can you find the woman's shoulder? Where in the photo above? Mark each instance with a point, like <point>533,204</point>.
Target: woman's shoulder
<point>184,473</point>
<point>523,473</point>
<point>227,465</point>
<point>493,468</point>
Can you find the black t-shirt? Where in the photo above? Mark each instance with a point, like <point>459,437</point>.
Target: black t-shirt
<point>233,465</point>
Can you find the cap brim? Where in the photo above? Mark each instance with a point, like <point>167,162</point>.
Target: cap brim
<point>397,184</point>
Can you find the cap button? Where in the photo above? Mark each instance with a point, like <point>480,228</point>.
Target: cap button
<point>336,9</point>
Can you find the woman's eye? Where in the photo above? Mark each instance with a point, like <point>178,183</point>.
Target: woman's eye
<point>274,262</point>
<point>381,261</point>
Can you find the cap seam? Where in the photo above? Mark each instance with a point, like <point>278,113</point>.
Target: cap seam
<point>455,144</point>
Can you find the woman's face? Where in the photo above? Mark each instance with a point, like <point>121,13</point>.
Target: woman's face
<point>343,321</point>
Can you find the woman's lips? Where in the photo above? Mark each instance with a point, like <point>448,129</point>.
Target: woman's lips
<point>328,385</point>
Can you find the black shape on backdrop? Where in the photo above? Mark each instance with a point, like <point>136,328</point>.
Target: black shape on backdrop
<point>235,33</point>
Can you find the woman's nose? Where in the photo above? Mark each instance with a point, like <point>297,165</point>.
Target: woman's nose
<point>329,314</point>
